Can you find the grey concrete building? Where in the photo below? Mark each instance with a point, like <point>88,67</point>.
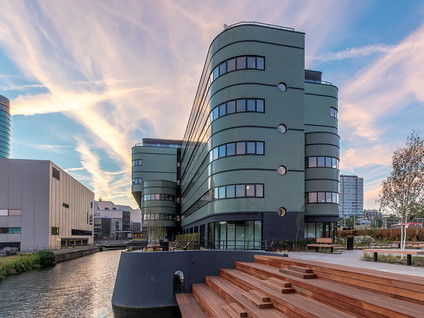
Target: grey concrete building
<point>259,160</point>
<point>42,207</point>
<point>351,196</point>
<point>5,124</point>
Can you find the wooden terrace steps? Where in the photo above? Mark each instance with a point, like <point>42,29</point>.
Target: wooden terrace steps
<point>189,306</point>
<point>275,287</point>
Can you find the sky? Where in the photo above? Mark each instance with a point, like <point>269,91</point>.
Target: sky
<point>89,79</point>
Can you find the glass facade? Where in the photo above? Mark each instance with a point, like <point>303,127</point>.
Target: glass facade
<point>233,235</point>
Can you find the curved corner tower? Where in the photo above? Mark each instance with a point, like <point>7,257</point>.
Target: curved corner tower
<point>5,124</point>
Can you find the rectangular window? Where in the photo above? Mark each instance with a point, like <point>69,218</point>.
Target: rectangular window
<point>328,197</point>
<point>222,151</point>
<point>215,193</point>
<point>231,191</point>
<point>14,230</point>
<point>215,113</point>
<point>231,149</point>
<point>250,190</point>
<point>251,105</point>
<point>260,147</point>
<point>312,162</point>
<point>222,110</point>
<point>241,148</point>
<point>312,198</point>
<point>215,153</point>
<point>55,173</point>
<point>4,230</point>
<point>221,192</point>
<point>334,197</point>
<point>251,62</point>
<point>241,62</point>
<point>321,162</point>
<point>157,196</point>
<point>4,213</point>
<point>54,230</point>
<point>15,212</point>
<point>321,197</point>
<point>328,162</point>
<point>65,205</point>
<point>260,190</point>
<point>260,105</point>
<point>222,68</point>
<point>260,63</point>
<point>241,105</point>
<point>334,163</point>
<point>251,148</point>
<point>240,190</point>
<point>231,107</point>
<point>215,73</point>
<point>231,65</point>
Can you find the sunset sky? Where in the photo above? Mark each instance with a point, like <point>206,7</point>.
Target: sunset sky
<point>89,79</point>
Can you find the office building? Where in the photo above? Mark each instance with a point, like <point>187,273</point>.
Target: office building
<point>351,196</point>
<point>115,222</point>
<point>259,160</point>
<point>42,207</point>
<point>5,124</point>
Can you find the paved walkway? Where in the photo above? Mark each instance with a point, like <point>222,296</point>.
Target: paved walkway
<point>356,258</point>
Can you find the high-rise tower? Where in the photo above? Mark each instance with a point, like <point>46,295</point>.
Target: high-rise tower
<point>4,127</point>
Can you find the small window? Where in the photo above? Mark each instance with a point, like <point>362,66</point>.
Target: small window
<point>56,173</point>
<point>14,230</point>
<point>328,197</point>
<point>313,197</point>
<point>65,205</point>
<point>215,73</point>
<point>241,105</point>
<point>251,62</point>
<point>222,68</point>
<point>282,128</point>
<point>222,110</point>
<point>15,212</point>
<point>282,170</point>
<point>54,230</point>
<point>321,162</point>
<point>215,113</point>
<point>312,162</point>
<point>250,190</point>
<point>231,107</point>
<point>221,192</point>
<point>241,148</point>
<point>231,65</point>
<point>251,148</point>
<point>222,152</point>
<point>240,190</point>
<point>282,87</point>
<point>241,62</point>
<point>333,112</point>
<point>260,105</point>
<point>231,149</point>
<point>4,213</point>
<point>260,147</point>
<point>251,105</point>
<point>260,190</point>
<point>231,191</point>
<point>321,197</point>
<point>260,65</point>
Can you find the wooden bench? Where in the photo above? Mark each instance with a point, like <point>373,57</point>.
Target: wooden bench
<point>412,244</point>
<point>408,253</point>
<point>324,243</point>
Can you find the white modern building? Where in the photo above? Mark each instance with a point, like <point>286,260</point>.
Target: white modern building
<point>43,207</point>
<point>351,196</point>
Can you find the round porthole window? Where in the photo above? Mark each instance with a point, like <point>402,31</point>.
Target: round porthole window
<point>282,211</point>
<point>282,87</point>
<point>282,128</point>
<point>282,170</point>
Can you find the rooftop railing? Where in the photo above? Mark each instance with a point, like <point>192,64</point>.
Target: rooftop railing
<point>318,82</point>
<point>258,23</point>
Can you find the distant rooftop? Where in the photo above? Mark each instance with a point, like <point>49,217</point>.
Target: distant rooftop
<point>166,143</point>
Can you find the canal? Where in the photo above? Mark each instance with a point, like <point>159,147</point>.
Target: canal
<point>80,288</point>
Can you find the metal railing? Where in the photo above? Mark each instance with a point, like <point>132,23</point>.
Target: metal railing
<point>259,23</point>
<point>318,82</point>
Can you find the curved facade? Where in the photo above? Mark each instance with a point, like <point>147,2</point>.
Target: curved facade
<point>258,123</point>
<point>5,127</point>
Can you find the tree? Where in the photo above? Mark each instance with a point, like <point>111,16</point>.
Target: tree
<point>403,190</point>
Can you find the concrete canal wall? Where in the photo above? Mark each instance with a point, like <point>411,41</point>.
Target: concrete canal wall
<point>71,253</point>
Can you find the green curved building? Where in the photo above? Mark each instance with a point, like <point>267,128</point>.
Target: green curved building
<point>259,160</point>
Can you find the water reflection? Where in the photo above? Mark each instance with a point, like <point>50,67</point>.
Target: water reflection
<point>79,288</point>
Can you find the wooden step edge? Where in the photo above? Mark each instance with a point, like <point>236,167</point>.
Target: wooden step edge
<point>278,288</point>
<point>262,297</point>
<point>187,303</point>
<point>257,302</point>
<point>234,310</point>
<point>297,274</point>
<point>300,269</point>
<point>279,282</point>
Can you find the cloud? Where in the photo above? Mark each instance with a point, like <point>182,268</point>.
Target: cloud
<point>355,52</point>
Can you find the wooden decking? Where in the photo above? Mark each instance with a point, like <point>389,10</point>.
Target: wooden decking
<point>285,287</point>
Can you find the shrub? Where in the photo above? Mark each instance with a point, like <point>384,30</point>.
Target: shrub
<point>46,258</point>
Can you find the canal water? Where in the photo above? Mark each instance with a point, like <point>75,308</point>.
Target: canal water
<point>80,288</point>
